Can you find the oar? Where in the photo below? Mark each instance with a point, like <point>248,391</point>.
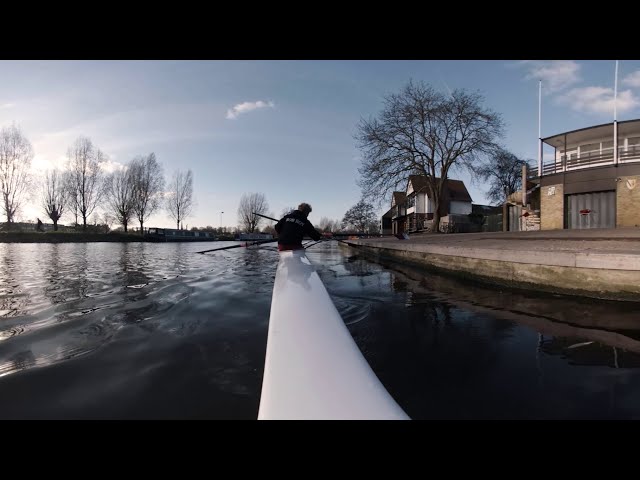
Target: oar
<point>258,242</point>
<point>264,216</point>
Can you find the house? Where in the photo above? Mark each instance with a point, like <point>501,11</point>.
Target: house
<point>412,210</point>
<point>398,212</point>
<point>588,182</point>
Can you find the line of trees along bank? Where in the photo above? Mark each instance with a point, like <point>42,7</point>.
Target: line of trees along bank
<point>129,193</point>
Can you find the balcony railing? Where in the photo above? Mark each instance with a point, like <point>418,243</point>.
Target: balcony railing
<point>586,160</point>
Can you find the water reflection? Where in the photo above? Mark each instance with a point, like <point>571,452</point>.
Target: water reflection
<point>13,299</point>
<point>297,270</point>
<point>577,328</point>
<point>451,349</point>
<point>156,331</point>
<point>109,330</point>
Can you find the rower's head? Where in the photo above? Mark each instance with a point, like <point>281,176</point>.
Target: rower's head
<point>305,208</point>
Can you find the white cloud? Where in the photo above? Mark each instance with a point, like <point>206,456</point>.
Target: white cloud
<point>40,163</point>
<point>632,80</point>
<point>245,107</point>
<point>7,105</point>
<point>598,100</point>
<point>556,75</point>
<point>110,166</point>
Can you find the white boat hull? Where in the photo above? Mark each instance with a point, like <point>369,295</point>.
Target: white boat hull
<point>313,368</point>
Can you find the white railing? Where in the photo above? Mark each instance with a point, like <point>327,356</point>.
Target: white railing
<point>588,160</point>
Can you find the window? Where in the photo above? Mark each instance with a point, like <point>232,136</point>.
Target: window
<point>590,149</point>
<point>633,146</point>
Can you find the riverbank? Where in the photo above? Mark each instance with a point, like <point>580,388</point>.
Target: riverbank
<point>597,263</point>
<point>67,237</point>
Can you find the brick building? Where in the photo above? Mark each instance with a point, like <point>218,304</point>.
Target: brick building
<point>591,181</point>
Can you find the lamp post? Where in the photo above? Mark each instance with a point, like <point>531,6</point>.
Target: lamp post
<point>221,221</point>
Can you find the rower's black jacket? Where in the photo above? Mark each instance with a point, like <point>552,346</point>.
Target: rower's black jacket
<point>293,227</point>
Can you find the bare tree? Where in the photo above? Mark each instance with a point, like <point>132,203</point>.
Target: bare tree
<point>119,192</point>
<point>107,220</point>
<point>54,196</point>
<point>270,229</point>
<point>72,194</point>
<point>16,154</point>
<point>503,171</point>
<point>325,224</point>
<point>149,184</point>
<point>373,227</point>
<point>359,216</point>
<point>328,225</point>
<point>86,180</point>
<point>424,132</point>
<point>286,211</point>
<point>180,199</point>
<point>250,204</point>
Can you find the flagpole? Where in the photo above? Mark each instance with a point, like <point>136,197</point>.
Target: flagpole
<point>615,117</point>
<point>540,128</point>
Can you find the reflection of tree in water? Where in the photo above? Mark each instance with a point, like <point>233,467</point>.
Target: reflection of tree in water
<point>13,301</point>
<point>360,267</point>
<point>67,277</point>
<point>422,347</point>
<point>255,267</point>
<point>133,262</point>
<point>455,349</point>
<point>607,323</point>
<point>18,361</point>
<point>55,287</point>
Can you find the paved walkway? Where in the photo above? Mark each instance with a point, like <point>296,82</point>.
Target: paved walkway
<point>600,262</point>
<point>595,241</point>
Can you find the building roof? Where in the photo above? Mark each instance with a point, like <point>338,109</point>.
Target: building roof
<point>398,198</point>
<point>419,182</point>
<point>453,189</point>
<point>582,135</point>
<point>457,191</point>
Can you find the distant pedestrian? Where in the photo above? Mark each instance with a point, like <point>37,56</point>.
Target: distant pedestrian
<point>40,227</point>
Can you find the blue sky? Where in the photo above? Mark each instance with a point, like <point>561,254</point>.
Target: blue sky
<point>283,128</point>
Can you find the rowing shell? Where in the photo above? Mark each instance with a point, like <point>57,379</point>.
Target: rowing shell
<point>313,368</point>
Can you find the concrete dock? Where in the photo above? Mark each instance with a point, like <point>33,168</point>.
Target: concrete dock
<point>598,263</point>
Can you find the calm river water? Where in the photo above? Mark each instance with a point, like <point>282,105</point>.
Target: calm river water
<point>148,330</point>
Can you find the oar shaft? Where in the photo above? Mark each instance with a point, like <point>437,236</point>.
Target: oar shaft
<point>264,216</point>
<point>237,246</point>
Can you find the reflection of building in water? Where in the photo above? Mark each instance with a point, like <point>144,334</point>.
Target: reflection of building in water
<point>180,259</point>
<point>582,331</point>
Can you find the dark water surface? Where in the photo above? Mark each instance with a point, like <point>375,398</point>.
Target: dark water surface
<point>107,330</point>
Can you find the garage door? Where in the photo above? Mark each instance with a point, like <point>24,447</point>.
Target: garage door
<point>515,216</point>
<point>591,210</point>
